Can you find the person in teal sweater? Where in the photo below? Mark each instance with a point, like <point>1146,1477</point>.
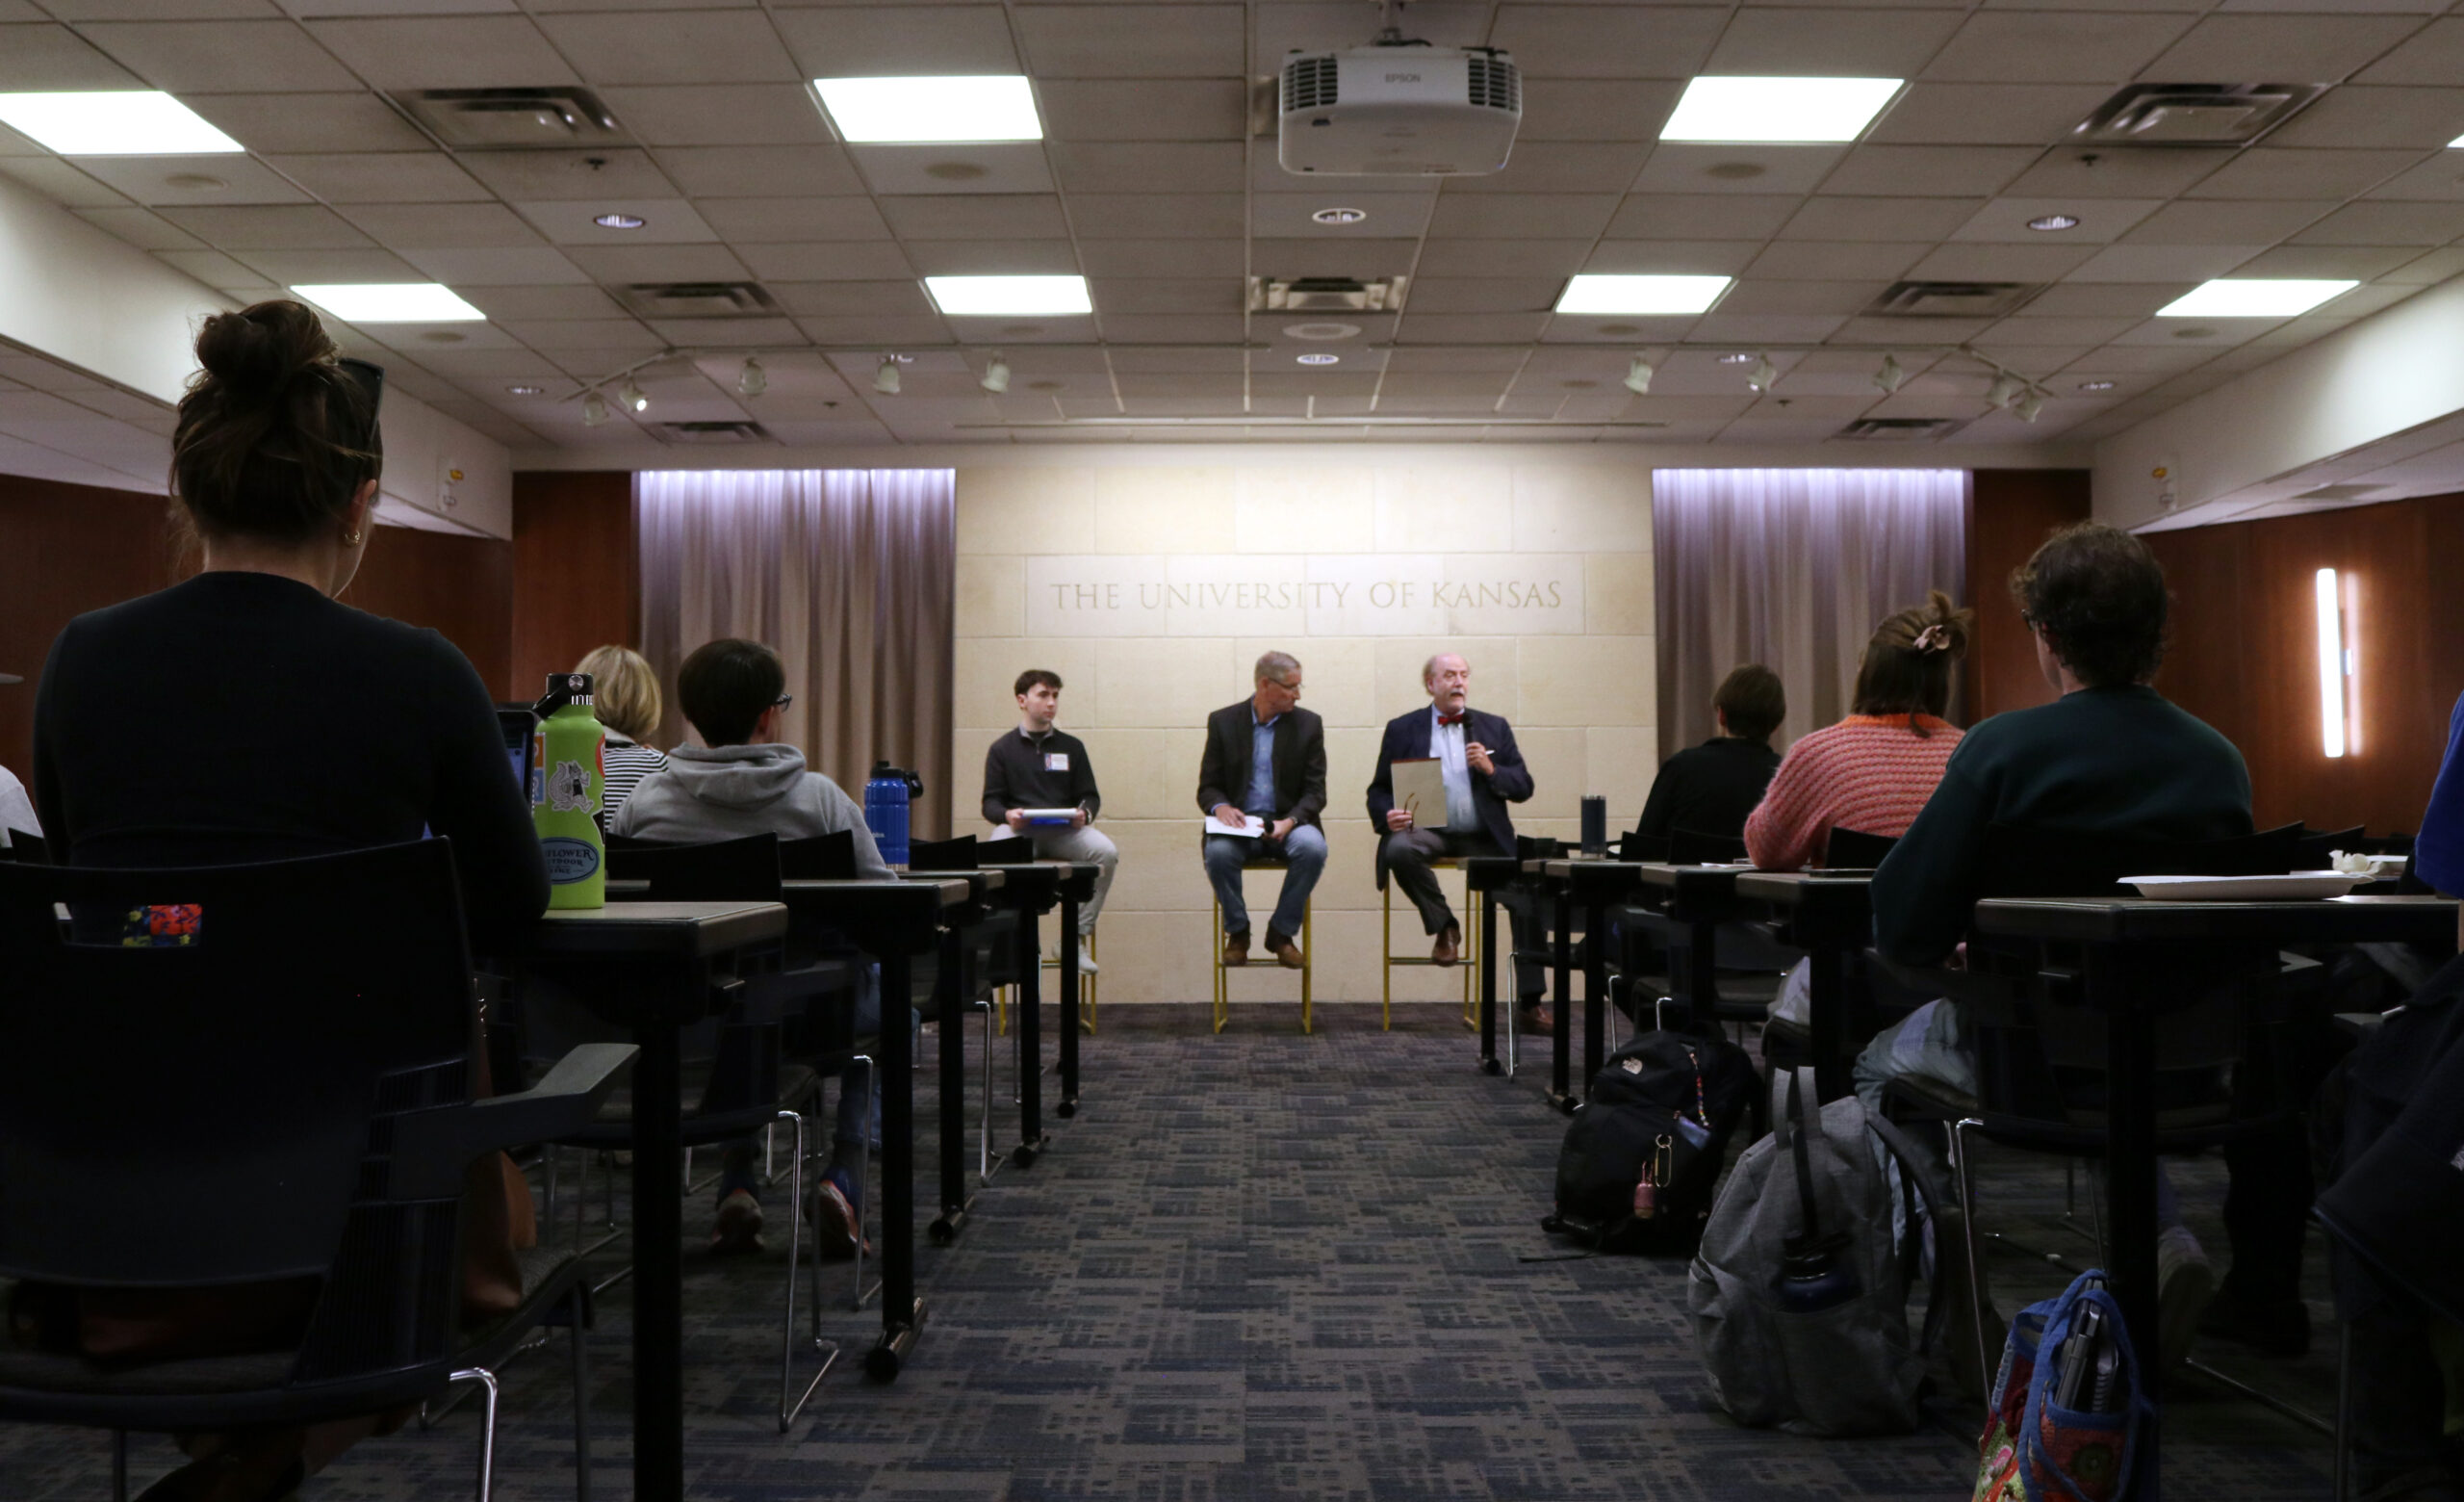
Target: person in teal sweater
<point>2110,756</point>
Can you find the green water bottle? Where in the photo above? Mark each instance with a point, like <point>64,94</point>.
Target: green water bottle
<point>567,783</point>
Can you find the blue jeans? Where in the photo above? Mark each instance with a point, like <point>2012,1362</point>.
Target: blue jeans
<point>1305,847</point>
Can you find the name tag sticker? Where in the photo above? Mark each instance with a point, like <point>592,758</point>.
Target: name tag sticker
<point>1056,761</point>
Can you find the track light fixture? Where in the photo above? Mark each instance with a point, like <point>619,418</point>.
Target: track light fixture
<point>630,393</point>
<point>1889,376</point>
<point>1638,376</point>
<point>752,380</point>
<point>1765,375</point>
<point>2030,403</point>
<point>996,375</point>
<point>886,378</point>
<point>594,409</point>
<point>2005,389</point>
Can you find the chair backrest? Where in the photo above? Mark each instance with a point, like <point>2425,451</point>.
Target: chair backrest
<point>1636,845</point>
<point>1855,850</point>
<point>725,871</point>
<point>830,856</point>
<point>215,1110</point>
<point>947,855</point>
<point>24,846</point>
<point>1694,848</point>
<point>2312,846</point>
<point>2068,862</point>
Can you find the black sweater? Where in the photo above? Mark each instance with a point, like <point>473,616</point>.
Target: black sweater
<point>2122,761</point>
<point>1709,788</point>
<point>1016,776</point>
<point>241,717</point>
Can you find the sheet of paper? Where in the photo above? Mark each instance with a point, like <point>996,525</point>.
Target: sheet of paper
<point>1251,826</point>
<point>1420,786</point>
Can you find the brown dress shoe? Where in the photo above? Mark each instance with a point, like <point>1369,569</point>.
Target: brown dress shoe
<point>1236,950</point>
<point>1286,953</point>
<point>1449,947</point>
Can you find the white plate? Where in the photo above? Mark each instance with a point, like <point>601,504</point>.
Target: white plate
<point>2292,887</point>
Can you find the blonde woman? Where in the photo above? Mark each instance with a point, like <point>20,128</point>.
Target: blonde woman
<point>625,691</point>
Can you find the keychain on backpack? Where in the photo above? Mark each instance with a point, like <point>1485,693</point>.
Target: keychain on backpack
<point>1656,1176</point>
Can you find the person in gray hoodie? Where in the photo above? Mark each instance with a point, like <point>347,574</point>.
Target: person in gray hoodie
<point>742,781</point>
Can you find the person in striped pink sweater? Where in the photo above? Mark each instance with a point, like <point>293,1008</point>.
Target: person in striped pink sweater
<point>1873,770</point>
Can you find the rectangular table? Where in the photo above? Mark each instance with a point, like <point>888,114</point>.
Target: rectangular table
<point>2130,957</point>
<point>1829,916</point>
<point>651,966</point>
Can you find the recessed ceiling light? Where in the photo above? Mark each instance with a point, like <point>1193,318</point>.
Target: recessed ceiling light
<point>1340,215</point>
<point>523,391</point>
<point>1597,294</point>
<point>995,297</point>
<point>990,108</point>
<point>391,302</point>
<point>1778,109</point>
<point>2053,221</point>
<point>118,122</point>
<point>1319,357</point>
<point>2095,386</point>
<point>619,221</point>
<point>2252,297</point>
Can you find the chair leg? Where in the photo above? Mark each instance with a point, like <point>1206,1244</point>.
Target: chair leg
<point>487,1380</point>
<point>2343,1457</point>
<point>787,1408</point>
<point>578,1309</point>
<point>1963,1190</point>
<point>984,1128</point>
<point>863,1165</point>
<point>119,1465</point>
<point>1386,957</point>
<point>1308,959</point>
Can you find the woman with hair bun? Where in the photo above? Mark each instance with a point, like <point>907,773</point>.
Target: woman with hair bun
<point>1872,771</point>
<point>305,728</point>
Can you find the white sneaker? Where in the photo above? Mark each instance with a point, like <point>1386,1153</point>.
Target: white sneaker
<point>1086,960</point>
<point>2183,1284</point>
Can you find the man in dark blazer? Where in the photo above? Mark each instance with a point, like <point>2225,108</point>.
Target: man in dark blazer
<point>1266,763</point>
<point>1483,773</point>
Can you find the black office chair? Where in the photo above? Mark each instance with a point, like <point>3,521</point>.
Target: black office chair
<point>1788,1043</point>
<point>24,846</point>
<point>1696,847</point>
<point>1855,850</point>
<point>992,961</point>
<point>278,1098</point>
<point>830,856</point>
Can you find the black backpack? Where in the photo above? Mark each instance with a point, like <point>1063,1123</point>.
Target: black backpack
<point>1665,1103</point>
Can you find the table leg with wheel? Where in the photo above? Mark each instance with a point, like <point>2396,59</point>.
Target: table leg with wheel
<point>902,1311</point>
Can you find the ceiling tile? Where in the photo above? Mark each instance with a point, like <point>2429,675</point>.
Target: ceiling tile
<point>2044,47</point>
<point>759,171</point>
<point>2379,223</point>
<point>1721,324</point>
<point>2218,221</point>
<point>285,123</point>
<point>583,334</point>
<point>690,332</point>
<point>1134,41</point>
<point>445,51</point>
<point>1929,171</point>
<point>2100,219</point>
<point>569,221</point>
<point>2358,261</point>
<point>2027,330</point>
<point>194,180</point>
<point>1671,257</point>
<point>902,299</point>
<point>141,228</point>
<point>2132,300</point>
<point>502,303</point>
<point>1157,216</point>
<point>2357,116</point>
<point>1881,331</point>
<point>1690,167</point>
<point>1812,260</point>
<point>529,177</point>
<point>1155,166</point>
<point>997,257</point>
<point>1598,109</point>
<point>2426,270</point>
<point>302,227</point>
<point>2439,178</point>
<point>996,167</point>
<point>1977,114</point>
<point>1828,218</point>
<point>614,264</point>
<point>2433,55</point>
<point>714,114</point>
<point>2313,48</point>
<point>1986,262</point>
<point>61,183</point>
<point>2161,263</point>
<point>1551,258</point>
<point>2265,171</point>
<point>293,267</point>
<point>1840,297</point>
<point>1835,44</point>
<point>1477,328</point>
<point>1173,328</point>
<point>1485,294</point>
<point>885,41</point>
<point>759,221</point>
<point>691,47</point>
<point>54,57</point>
<point>976,217</point>
<point>382,177</point>
<point>540,266</point>
<point>1181,109</point>
<point>1520,216</point>
<point>205,56</point>
<point>79,11</point>
<point>1669,215</point>
<point>1170,258</point>
<point>840,260</point>
<point>1608,41</point>
<point>215,269</point>
<point>1561,167</point>
<point>2072,174</point>
<point>445,227</point>
<point>1176,295</point>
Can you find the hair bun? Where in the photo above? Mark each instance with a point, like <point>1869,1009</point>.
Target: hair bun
<point>259,351</point>
<point>1945,626</point>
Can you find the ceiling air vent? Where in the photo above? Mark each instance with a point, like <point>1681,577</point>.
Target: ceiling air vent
<point>1309,84</point>
<point>1872,429</point>
<point>707,433</point>
<point>1952,299</point>
<point>1495,83</point>
<point>2193,114</point>
<point>514,119</point>
<point>1326,295</point>
<point>698,299</point>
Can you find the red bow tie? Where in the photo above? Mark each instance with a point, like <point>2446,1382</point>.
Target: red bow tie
<point>1457,718</point>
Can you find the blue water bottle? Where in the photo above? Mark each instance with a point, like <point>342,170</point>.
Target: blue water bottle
<point>888,795</point>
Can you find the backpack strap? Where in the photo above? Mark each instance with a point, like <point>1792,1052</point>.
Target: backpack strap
<point>1810,1216</point>
<point>1918,1183</point>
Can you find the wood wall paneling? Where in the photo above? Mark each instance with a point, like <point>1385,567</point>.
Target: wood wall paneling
<point>461,586</point>
<point>2009,513</point>
<point>577,572</point>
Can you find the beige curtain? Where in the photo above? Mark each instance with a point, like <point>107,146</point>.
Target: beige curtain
<point>1793,569</point>
<point>847,573</point>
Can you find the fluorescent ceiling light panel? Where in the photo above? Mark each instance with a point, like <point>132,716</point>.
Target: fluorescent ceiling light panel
<point>117,122</point>
<point>1596,293</point>
<point>391,302</point>
<point>2456,144</point>
<point>2253,297</point>
<point>1778,109</point>
<point>990,108</point>
<point>1003,296</point>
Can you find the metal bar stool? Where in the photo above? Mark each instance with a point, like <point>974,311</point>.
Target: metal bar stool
<point>1308,951</point>
<point>1468,963</point>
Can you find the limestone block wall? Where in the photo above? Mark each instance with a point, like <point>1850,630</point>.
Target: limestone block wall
<point>1151,588</point>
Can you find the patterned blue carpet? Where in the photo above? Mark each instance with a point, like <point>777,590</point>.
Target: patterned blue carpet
<point>1255,1266</point>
